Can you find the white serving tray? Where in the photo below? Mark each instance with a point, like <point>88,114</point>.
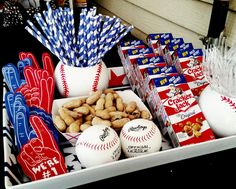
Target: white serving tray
<point>14,178</point>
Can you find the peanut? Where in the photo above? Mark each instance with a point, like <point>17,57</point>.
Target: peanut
<point>83,110</point>
<point>73,104</point>
<point>94,97</point>
<point>100,104</point>
<point>98,120</point>
<point>60,124</point>
<point>119,104</point>
<point>131,106</point>
<point>67,118</point>
<point>109,100</point>
<point>117,124</point>
<point>104,114</point>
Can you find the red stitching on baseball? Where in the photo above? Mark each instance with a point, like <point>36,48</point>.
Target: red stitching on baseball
<point>64,83</point>
<point>97,77</point>
<point>228,101</point>
<point>143,138</point>
<point>100,147</point>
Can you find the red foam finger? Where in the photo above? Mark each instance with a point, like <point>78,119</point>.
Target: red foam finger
<point>45,74</point>
<point>42,132</point>
<point>27,168</point>
<point>44,95</point>
<point>30,77</point>
<point>48,63</point>
<point>22,55</point>
<point>51,87</point>
<point>38,73</point>
<point>29,150</point>
<point>41,158</point>
<point>33,58</point>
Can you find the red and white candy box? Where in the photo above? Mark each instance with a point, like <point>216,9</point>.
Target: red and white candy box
<point>123,46</point>
<point>179,111</point>
<point>131,56</point>
<point>140,67</point>
<point>159,41</point>
<point>191,67</point>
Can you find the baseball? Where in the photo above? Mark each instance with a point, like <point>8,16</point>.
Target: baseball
<point>220,112</point>
<point>139,137</point>
<point>79,81</point>
<point>97,145</point>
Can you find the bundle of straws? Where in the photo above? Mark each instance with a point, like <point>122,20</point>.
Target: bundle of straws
<point>220,67</point>
<point>96,35</point>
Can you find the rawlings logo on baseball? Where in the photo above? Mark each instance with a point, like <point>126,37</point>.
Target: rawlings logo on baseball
<point>105,134</point>
<point>138,128</point>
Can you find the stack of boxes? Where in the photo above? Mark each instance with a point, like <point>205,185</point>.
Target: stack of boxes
<point>167,74</point>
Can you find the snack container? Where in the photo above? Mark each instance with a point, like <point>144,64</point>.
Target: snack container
<point>169,49</point>
<point>179,111</point>
<point>130,61</point>
<point>127,96</point>
<point>159,41</point>
<point>123,47</point>
<point>192,69</point>
<point>140,68</point>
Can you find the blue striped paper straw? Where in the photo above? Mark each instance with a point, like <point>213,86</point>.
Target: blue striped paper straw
<point>112,32</point>
<point>97,36</point>
<point>109,28</point>
<point>81,43</point>
<point>71,26</point>
<point>45,42</point>
<point>107,48</point>
<point>46,30</point>
<point>108,22</point>
<point>94,39</point>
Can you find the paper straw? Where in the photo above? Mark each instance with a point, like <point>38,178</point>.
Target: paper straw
<point>107,48</point>
<point>96,35</point>
<point>45,42</point>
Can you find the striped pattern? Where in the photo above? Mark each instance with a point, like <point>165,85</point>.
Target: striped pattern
<point>97,34</point>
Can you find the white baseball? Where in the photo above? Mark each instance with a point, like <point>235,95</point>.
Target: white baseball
<point>220,112</point>
<point>80,81</point>
<point>97,145</point>
<point>139,137</point>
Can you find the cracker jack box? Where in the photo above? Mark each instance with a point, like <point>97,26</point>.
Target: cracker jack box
<point>123,46</point>
<point>152,41</point>
<point>169,49</point>
<point>141,65</point>
<point>191,67</point>
<point>157,71</point>
<point>182,51</point>
<point>158,42</point>
<point>159,86</point>
<point>162,42</point>
<point>130,60</point>
<point>179,111</point>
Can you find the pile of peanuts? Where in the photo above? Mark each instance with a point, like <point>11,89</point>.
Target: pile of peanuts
<point>101,107</point>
